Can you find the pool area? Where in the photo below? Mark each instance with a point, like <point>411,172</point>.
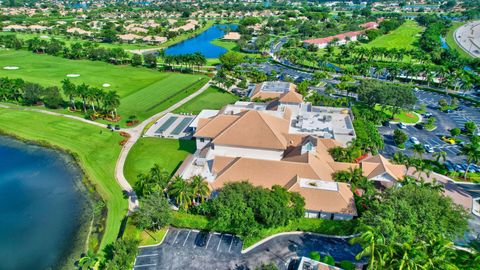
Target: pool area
<point>201,43</point>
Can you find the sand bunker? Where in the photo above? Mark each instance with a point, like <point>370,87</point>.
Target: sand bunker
<point>73,75</point>
<point>106,85</point>
<point>10,68</point>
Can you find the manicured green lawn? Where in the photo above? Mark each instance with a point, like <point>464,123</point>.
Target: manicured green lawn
<point>404,117</point>
<point>403,37</point>
<point>231,46</point>
<point>167,153</point>
<point>146,237</point>
<point>450,39</point>
<point>143,92</point>
<point>97,150</point>
<point>213,98</point>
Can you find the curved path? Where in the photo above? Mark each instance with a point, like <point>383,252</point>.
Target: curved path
<point>135,134</point>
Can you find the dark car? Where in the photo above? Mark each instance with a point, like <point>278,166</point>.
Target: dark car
<point>117,127</point>
<point>459,108</point>
<point>450,166</point>
<point>109,126</point>
<point>419,126</point>
<point>386,123</point>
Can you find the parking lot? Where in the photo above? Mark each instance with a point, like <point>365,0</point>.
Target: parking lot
<point>444,122</point>
<point>192,249</point>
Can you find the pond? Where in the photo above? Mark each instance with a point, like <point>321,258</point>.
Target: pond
<point>201,43</point>
<point>43,207</point>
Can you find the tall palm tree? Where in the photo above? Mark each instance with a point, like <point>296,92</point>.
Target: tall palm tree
<point>418,150</point>
<point>472,152</point>
<point>111,101</point>
<point>70,90</point>
<point>88,261</point>
<point>181,191</point>
<point>441,155</point>
<point>373,247</point>
<point>199,187</point>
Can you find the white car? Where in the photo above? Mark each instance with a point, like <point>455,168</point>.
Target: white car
<point>428,148</point>
<point>402,125</point>
<point>414,140</point>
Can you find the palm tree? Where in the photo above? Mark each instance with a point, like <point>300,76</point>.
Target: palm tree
<point>442,155</point>
<point>418,150</point>
<point>472,152</point>
<point>111,101</point>
<point>373,246</point>
<point>182,192</point>
<point>199,187</point>
<point>70,90</point>
<point>88,261</point>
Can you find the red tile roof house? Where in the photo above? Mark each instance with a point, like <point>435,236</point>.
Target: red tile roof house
<point>343,38</point>
<point>340,39</point>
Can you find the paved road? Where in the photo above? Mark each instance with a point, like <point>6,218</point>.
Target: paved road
<point>135,134</point>
<point>191,249</point>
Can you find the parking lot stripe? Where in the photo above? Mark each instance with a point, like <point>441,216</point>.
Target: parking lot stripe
<point>148,255</point>
<point>208,241</point>
<point>145,265</point>
<point>186,238</point>
<point>175,240</point>
<point>219,241</point>
<point>231,242</point>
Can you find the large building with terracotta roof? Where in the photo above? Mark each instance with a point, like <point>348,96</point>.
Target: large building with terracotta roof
<point>285,144</point>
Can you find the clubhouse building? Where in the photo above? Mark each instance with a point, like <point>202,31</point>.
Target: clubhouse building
<point>284,142</point>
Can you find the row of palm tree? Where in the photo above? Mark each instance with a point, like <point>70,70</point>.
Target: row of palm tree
<point>190,60</point>
<point>436,253</point>
<point>185,192</point>
<point>97,99</point>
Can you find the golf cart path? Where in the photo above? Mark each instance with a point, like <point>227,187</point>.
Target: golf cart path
<point>55,114</point>
<point>135,134</point>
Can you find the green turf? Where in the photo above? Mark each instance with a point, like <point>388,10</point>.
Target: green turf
<point>450,40</point>
<point>404,116</point>
<point>404,36</point>
<point>97,151</point>
<point>213,98</point>
<point>231,46</point>
<point>142,90</point>
<point>167,153</point>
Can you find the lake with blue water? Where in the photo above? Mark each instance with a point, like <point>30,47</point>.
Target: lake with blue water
<point>44,209</point>
<point>201,43</point>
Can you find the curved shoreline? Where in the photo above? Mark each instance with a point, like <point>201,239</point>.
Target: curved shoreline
<point>83,186</point>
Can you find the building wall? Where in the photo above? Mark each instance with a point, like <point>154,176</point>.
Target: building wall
<point>232,151</point>
<point>202,142</point>
<point>326,215</point>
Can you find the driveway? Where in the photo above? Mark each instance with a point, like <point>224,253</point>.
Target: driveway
<point>191,249</point>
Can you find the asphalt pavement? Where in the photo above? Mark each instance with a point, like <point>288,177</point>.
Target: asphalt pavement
<point>192,249</point>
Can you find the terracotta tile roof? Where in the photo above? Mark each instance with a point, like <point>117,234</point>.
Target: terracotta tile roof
<point>324,200</point>
<point>378,165</point>
<point>291,97</point>
<point>331,38</point>
<point>247,129</point>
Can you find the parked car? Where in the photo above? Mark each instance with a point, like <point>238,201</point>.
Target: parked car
<point>428,148</point>
<point>414,140</point>
<point>386,123</point>
<point>476,167</point>
<point>427,115</point>
<point>448,111</point>
<point>449,140</point>
<point>459,108</point>
<point>117,127</point>
<point>459,168</point>
<point>402,125</point>
<point>419,126</point>
<point>470,169</point>
<point>109,126</point>
<point>449,165</point>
